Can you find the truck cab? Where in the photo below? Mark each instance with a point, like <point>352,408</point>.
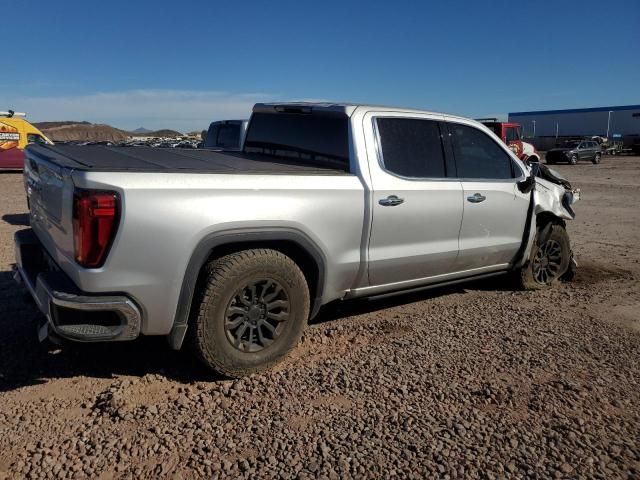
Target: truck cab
<point>511,134</point>
<point>15,134</point>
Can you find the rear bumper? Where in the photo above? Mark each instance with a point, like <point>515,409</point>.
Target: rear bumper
<point>71,313</point>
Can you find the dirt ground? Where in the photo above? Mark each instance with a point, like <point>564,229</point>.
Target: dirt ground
<point>477,381</point>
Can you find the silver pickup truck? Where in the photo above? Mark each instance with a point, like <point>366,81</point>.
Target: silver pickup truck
<point>233,252</point>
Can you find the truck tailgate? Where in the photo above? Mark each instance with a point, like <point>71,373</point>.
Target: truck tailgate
<point>50,194</point>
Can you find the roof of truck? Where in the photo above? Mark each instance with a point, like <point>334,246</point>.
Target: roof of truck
<point>340,107</point>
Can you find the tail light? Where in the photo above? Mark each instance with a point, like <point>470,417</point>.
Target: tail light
<point>95,221</point>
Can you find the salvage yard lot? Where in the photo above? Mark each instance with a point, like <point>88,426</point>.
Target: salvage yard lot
<point>473,381</point>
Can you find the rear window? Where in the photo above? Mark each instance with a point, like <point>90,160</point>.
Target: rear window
<point>306,138</point>
<point>221,135</point>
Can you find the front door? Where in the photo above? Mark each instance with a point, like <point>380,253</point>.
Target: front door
<point>417,201</point>
<point>495,211</point>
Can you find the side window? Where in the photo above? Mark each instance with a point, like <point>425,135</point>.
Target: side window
<point>477,155</point>
<point>34,138</point>
<point>412,147</point>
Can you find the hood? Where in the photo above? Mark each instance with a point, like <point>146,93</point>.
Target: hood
<point>561,149</point>
<point>542,171</point>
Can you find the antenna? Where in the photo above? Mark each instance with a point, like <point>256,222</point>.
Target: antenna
<point>11,113</point>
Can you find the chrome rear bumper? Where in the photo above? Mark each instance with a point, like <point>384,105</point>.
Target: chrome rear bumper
<point>71,313</point>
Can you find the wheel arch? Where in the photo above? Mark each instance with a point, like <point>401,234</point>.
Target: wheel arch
<point>291,242</point>
<point>546,217</point>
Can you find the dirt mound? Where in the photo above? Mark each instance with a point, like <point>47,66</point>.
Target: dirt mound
<point>164,133</point>
<point>84,131</point>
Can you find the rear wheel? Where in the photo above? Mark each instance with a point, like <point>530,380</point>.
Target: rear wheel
<point>252,310</point>
<point>596,159</point>
<point>573,159</point>
<point>549,259</point>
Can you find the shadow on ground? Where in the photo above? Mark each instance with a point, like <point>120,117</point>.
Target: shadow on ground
<point>25,361</point>
<point>21,219</point>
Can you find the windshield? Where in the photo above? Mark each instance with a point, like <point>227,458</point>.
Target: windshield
<point>513,134</point>
<point>306,138</point>
<point>571,144</point>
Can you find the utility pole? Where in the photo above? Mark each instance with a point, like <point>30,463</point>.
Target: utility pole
<point>534,128</point>
<point>609,122</point>
<point>556,130</point>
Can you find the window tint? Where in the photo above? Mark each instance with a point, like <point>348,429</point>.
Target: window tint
<point>411,147</point>
<point>305,138</point>
<point>228,136</point>
<point>477,155</point>
<point>212,136</point>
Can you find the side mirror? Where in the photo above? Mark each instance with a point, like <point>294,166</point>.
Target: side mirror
<point>526,185</point>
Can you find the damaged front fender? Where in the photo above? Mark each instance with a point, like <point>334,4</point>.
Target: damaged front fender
<point>551,196</point>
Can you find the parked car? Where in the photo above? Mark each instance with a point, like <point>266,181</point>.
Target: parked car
<point>15,134</point>
<point>574,151</point>
<point>233,252</point>
<point>226,135</point>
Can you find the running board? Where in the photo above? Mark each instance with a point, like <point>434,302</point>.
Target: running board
<point>436,285</point>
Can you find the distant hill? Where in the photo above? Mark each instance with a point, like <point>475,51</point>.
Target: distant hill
<point>65,131</point>
<point>81,131</point>
<point>47,125</point>
<point>140,131</point>
<point>158,133</point>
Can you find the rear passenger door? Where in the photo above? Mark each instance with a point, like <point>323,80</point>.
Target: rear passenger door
<point>417,201</point>
<point>583,151</point>
<point>495,210</point>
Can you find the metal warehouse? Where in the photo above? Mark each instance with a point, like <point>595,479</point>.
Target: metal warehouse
<point>546,127</point>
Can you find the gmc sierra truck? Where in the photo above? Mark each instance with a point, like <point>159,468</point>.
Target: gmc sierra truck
<point>232,253</point>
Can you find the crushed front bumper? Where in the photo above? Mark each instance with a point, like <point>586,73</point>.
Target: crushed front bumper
<point>71,313</point>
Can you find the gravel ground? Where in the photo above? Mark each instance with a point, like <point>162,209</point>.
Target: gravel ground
<point>479,381</point>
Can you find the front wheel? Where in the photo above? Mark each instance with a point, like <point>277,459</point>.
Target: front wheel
<point>549,259</point>
<point>596,159</point>
<point>251,311</point>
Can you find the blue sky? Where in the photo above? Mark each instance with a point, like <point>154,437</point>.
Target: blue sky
<point>182,64</point>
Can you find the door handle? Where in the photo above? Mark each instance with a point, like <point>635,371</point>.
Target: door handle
<point>391,201</point>
<point>476,198</point>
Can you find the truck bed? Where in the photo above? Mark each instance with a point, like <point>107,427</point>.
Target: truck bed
<point>173,160</point>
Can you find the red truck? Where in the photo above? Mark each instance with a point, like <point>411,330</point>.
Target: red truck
<point>510,134</point>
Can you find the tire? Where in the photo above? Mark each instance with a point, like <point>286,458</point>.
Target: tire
<point>550,161</point>
<point>551,242</point>
<point>251,311</point>
<point>596,159</point>
<point>573,159</point>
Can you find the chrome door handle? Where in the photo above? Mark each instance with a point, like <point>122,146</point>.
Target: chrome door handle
<point>391,201</point>
<point>476,198</point>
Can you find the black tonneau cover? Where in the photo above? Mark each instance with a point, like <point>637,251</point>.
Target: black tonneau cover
<point>101,158</point>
